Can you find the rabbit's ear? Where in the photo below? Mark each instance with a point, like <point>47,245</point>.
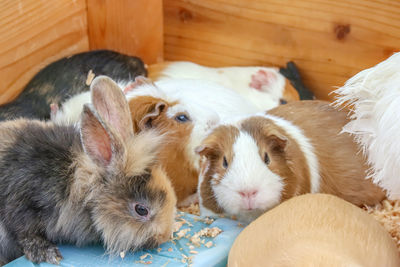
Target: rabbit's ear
<point>112,106</point>
<point>99,143</point>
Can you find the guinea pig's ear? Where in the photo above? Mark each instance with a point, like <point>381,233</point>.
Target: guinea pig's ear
<point>139,80</point>
<point>144,110</point>
<point>112,106</point>
<point>96,140</point>
<point>277,142</point>
<point>147,121</point>
<point>203,150</point>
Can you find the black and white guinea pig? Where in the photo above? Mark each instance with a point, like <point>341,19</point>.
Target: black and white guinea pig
<point>67,77</point>
<point>254,163</point>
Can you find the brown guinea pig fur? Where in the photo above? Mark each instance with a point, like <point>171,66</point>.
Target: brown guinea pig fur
<point>314,230</point>
<point>254,163</point>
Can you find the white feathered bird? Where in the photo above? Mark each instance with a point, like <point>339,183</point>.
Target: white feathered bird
<point>374,98</point>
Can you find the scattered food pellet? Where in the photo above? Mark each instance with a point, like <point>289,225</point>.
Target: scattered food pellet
<point>208,244</point>
<point>169,249</point>
<point>191,247</point>
<point>159,250</point>
<point>122,254</point>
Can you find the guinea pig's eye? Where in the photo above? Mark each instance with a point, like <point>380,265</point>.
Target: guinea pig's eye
<point>266,159</point>
<point>225,163</point>
<point>182,118</point>
<point>282,101</point>
<point>141,210</point>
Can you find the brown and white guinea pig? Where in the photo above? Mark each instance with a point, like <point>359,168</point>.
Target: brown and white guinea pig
<point>314,230</point>
<point>184,110</point>
<point>79,185</point>
<point>254,163</point>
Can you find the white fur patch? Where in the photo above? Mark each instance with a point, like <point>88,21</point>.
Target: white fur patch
<point>374,94</point>
<point>305,146</point>
<point>70,111</point>
<point>248,172</point>
<point>236,78</point>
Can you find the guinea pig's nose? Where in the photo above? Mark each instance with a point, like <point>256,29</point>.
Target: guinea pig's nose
<point>248,198</point>
<point>249,193</point>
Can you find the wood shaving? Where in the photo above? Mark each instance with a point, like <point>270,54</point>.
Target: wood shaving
<point>208,220</point>
<point>165,264</point>
<point>192,209</point>
<point>145,256</point>
<point>122,254</point>
<point>159,250</point>
<point>388,214</point>
<point>208,244</point>
<point>193,252</point>
<point>205,232</point>
<point>144,262</point>
<point>90,77</point>
<point>182,233</point>
<point>177,226</point>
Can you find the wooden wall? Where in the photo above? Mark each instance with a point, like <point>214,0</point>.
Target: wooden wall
<point>329,40</point>
<point>34,33</point>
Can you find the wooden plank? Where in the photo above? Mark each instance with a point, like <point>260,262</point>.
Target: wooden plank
<point>131,27</point>
<point>329,40</point>
<point>35,33</point>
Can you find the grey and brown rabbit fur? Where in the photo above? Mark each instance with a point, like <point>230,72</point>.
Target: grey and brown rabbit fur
<point>64,78</point>
<point>99,183</point>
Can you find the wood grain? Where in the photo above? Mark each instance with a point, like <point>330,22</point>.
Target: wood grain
<point>330,41</point>
<point>131,27</point>
<point>35,33</point>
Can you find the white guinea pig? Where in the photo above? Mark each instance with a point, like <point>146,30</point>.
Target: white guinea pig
<point>265,87</point>
<point>256,162</point>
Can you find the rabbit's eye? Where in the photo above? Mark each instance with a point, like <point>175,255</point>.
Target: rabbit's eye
<point>182,118</point>
<point>141,210</point>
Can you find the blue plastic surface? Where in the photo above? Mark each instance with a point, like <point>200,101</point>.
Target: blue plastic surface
<point>170,255</point>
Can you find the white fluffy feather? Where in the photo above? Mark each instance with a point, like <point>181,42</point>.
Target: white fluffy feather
<point>374,94</point>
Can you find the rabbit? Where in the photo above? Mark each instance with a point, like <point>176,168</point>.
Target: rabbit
<point>79,185</point>
<point>67,77</point>
<point>252,163</point>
